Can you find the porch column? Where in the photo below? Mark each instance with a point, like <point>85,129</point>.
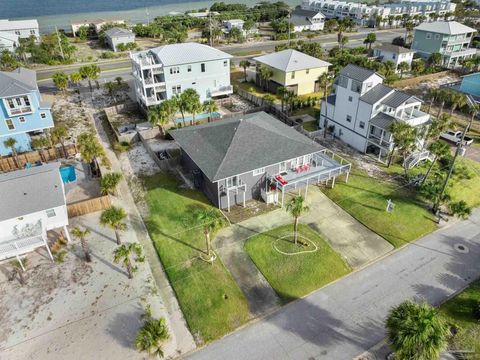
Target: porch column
<point>346,178</point>
<point>306,188</point>
<point>283,195</point>
<point>48,249</point>
<point>228,200</point>
<point>67,234</point>
<point>244,198</point>
<point>333,182</point>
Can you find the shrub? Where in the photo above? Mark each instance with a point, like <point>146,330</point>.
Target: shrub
<point>109,183</point>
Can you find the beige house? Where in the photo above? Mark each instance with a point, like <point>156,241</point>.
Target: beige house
<point>291,69</point>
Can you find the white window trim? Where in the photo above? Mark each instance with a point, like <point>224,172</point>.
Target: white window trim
<point>50,213</point>
<point>259,171</point>
<point>13,124</point>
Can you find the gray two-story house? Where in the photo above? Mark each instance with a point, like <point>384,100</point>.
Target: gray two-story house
<point>253,156</point>
<point>449,38</point>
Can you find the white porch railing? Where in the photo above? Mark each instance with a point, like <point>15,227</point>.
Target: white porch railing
<point>17,247</point>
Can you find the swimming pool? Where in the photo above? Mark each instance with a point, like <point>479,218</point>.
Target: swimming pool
<point>199,117</point>
<point>68,174</point>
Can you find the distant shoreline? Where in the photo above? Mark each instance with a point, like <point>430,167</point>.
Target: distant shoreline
<point>49,22</point>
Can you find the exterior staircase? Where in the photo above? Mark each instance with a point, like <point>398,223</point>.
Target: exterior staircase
<point>416,157</point>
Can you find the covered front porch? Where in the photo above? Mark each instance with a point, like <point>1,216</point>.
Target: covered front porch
<point>323,166</point>
<point>379,141</point>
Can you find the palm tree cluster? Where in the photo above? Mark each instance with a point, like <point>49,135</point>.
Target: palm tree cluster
<point>91,149</point>
<point>416,331</point>
<point>89,72</point>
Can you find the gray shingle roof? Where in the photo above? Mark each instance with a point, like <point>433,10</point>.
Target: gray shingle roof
<point>300,20</point>
<point>235,146</point>
<point>18,82</point>
<point>186,53</point>
<point>395,49</point>
<point>377,93</point>
<point>396,99</point>
<point>118,32</point>
<point>382,120</point>
<point>291,60</point>
<point>356,72</point>
<point>445,27</point>
<point>30,190</point>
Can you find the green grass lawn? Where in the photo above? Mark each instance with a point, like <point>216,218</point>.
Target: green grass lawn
<point>310,126</point>
<point>365,198</point>
<point>460,312</point>
<point>297,275</point>
<point>210,299</point>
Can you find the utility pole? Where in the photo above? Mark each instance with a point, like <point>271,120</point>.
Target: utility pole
<point>210,26</point>
<point>60,43</point>
<point>148,16</point>
<point>288,19</point>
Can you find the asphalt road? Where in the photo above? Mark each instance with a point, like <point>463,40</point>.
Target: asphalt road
<point>346,318</point>
<point>122,67</point>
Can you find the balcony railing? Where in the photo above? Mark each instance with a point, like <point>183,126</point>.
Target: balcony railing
<point>379,141</point>
<point>20,111</point>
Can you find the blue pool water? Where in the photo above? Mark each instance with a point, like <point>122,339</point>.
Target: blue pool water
<point>199,117</point>
<point>68,174</point>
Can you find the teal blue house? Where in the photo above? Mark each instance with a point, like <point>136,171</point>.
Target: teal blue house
<point>471,84</point>
<point>22,111</point>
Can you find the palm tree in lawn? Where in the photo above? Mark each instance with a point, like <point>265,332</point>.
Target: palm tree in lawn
<point>296,207</point>
<point>404,137</point>
<point>114,217</point>
<point>265,73</point>
<point>210,106</point>
<point>40,143</point>
<point>460,209</point>
<point>416,331</point>
<point>60,80</point>
<point>59,133</point>
<point>128,255</point>
<point>457,100</point>
<point>158,115</point>
<point>10,143</point>
<point>403,66</point>
<point>245,64</point>
<point>151,337</point>
<point>439,149</point>
<point>282,92</point>
<point>210,222</point>
<point>82,236</point>
<point>324,81</point>
<point>370,40</point>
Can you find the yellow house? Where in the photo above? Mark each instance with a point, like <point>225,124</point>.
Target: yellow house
<point>292,69</point>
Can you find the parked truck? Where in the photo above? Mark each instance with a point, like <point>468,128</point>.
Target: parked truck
<point>456,137</point>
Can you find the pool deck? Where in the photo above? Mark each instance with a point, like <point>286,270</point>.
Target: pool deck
<point>84,187</point>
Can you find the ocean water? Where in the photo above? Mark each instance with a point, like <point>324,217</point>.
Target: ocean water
<point>62,13</point>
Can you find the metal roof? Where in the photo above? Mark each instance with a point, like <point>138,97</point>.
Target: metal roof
<point>235,146</point>
<point>395,49</point>
<point>306,13</point>
<point>31,190</point>
<point>291,60</point>
<point>377,93</point>
<point>118,32</point>
<point>10,25</point>
<point>356,72</point>
<point>445,27</point>
<point>396,99</point>
<point>17,82</point>
<point>187,53</point>
<point>382,121</point>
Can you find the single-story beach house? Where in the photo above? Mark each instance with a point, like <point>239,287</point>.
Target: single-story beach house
<point>253,156</point>
<point>33,202</point>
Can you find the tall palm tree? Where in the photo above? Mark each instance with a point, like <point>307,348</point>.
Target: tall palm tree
<point>60,79</point>
<point>473,110</point>
<point>76,78</point>
<point>82,236</point>
<point>344,41</point>
<point>282,92</point>
<point>434,59</point>
<point>59,133</point>
<point>404,137</point>
<point>90,148</point>
<point>370,40</point>
<point>324,81</point>
<point>265,73</point>
<point>403,66</point>
<point>123,254</point>
<point>296,207</point>
<point>245,64</point>
<point>439,149</point>
<point>10,143</point>
<point>457,100</point>
<point>190,102</point>
<point>432,94</point>
<point>111,88</point>
<point>114,217</point>
<point>416,331</point>
<point>40,143</point>
<point>210,221</point>
<point>151,337</point>
<point>443,96</point>
<point>210,106</point>
<point>180,105</point>
<point>195,107</point>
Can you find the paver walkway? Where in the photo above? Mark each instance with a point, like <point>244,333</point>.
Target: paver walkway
<point>357,244</point>
<point>346,318</point>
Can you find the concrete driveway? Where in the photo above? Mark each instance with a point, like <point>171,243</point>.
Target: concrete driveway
<point>353,241</point>
<point>346,318</point>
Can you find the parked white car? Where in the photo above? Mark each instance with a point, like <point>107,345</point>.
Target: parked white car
<point>455,137</point>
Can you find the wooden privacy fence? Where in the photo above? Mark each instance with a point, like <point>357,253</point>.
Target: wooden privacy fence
<point>88,206</point>
<point>8,163</point>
